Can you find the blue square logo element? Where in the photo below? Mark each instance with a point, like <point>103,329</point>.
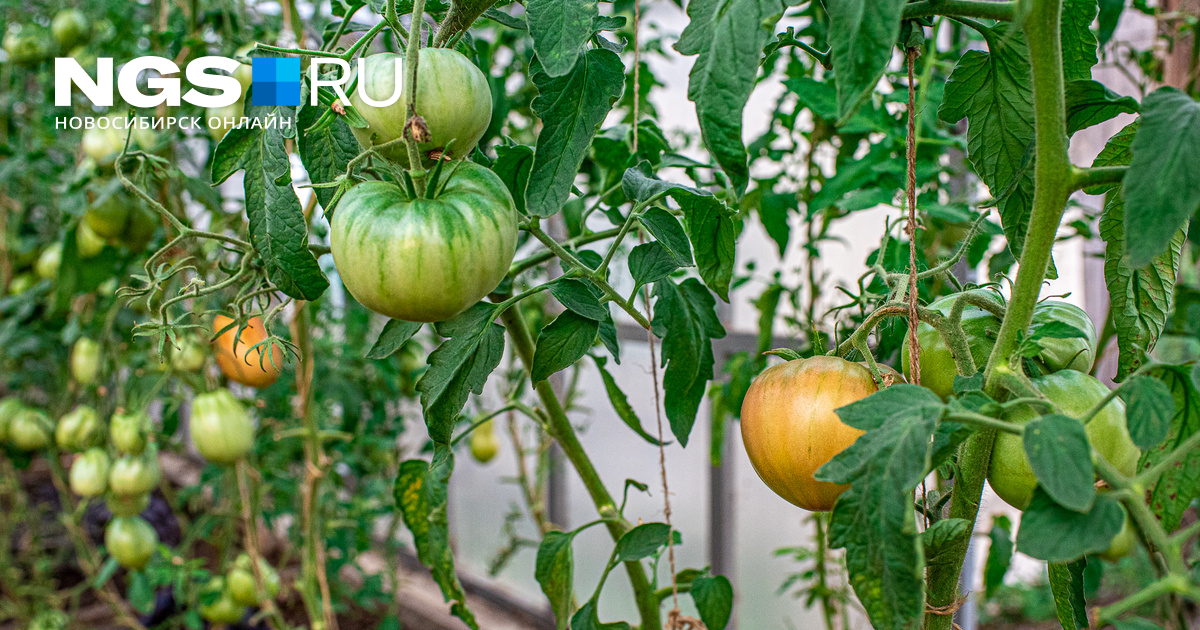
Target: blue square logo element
<point>276,81</point>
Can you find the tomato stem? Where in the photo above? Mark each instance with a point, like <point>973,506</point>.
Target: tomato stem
<point>412,59</point>
<point>560,429</point>
<point>1052,186</point>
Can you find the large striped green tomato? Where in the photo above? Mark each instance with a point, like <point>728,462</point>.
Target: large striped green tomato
<point>425,260</point>
<point>1075,394</point>
<point>452,96</point>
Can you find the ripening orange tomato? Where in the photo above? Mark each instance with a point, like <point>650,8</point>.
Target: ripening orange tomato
<point>246,364</point>
<point>790,428</point>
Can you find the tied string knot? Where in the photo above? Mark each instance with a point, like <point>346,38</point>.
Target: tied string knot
<point>676,620</point>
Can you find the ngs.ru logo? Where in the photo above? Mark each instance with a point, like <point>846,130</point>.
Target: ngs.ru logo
<point>275,81</point>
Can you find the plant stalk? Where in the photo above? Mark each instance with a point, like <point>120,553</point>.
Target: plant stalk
<point>559,427</point>
<point>1052,177</point>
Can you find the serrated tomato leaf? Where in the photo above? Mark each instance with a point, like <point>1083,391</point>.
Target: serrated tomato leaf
<point>459,366</point>
<point>422,498</point>
<point>685,319</point>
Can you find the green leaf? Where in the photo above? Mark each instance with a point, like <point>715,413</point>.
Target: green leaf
<point>666,229</point>
<point>325,153</point>
<point>555,572</point>
<point>576,296</point>
<point>421,496</point>
<point>459,366</point>
<point>1054,533</point>
<point>728,37</point>
<point>278,230</point>
<point>587,618</point>
<point>1066,583</point>
<point>943,536</point>
<point>651,262</point>
<point>1110,15</point>
<point>639,183</point>
<point>685,319</point>
<point>861,36</point>
<point>513,164</point>
<point>620,403</point>
<point>999,555</point>
<point>230,151</point>
<point>711,228</point>
<point>1141,299</point>
<point>713,595</point>
<point>1179,485</point>
<point>643,541</point>
<point>774,211</point>
<point>559,28</point>
<point>561,343</point>
<point>994,92</point>
<point>873,520</point>
<point>1091,103</point>
<point>1061,458</point>
<point>394,335</point>
<point>571,107</point>
<point>1078,40</point>
<point>1149,409</point>
<point>1162,187</point>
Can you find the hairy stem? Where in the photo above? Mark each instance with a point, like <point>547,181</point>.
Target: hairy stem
<point>559,427</point>
<point>1003,11</point>
<point>411,60</point>
<point>1052,187</point>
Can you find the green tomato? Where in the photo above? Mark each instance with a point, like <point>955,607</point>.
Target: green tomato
<point>132,476</point>
<point>31,430</point>
<point>453,97</point>
<point>108,216</point>
<point>79,429</point>
<point>85,361</point>
<point>127,432</point>
<point>1075,394</point>
<point>89,473</point>
<point>21,283</point>
<point>221,429</point>
<point>10,406</point>
<point>242,586</point>
<point>189,356</point>
<point>87,241</point>
<point>127,506</point>
<point>49,262</point>
<point>224,115</point>
<point>140,230</point>
<point>425,260</point>
<point>484,443</point>
<point>1078,353</point>
<point>131,541</point>
<point>26,45</point>
<point>223,610</point>
<point>244,72</point>
<point>104,144</point>
<point>1122,544</point>
<point>937,362</point>
<point>71,28</point>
